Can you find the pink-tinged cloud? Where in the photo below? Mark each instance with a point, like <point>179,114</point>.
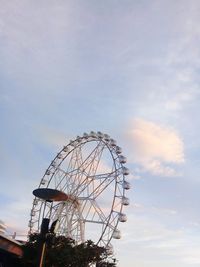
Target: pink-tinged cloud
<point>155,147</point>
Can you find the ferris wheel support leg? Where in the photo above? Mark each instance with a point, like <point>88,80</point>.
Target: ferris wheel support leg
<point>82,232</point>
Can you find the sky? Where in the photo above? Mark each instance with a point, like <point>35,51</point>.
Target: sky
<point>126,68</point>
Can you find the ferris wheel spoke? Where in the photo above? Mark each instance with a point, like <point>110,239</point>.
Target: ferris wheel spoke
<point>94,214</point>
<point>101,176</point>
<point>74,171</point>
<point>102,186</point>
<point>60,175</point>
<point>100,213</point>
<point>94,162</point>
<point>75,163</point>
<point>78,175</point>
<point>84,164</point>
<point>65,172</point>
<point>64,178</point>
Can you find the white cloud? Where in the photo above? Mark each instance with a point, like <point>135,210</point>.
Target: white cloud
<point>52,137</point>
<point>155,147</point>
<point>161,243</point>
<point>182,97</point>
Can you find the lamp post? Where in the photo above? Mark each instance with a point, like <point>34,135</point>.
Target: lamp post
<point>49,195</point>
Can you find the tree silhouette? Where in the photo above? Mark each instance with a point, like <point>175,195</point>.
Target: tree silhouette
<point>63,252</point>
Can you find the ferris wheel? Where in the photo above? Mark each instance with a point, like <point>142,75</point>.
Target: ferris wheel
<point>90,171</point>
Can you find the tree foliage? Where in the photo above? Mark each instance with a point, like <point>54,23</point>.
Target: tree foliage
<point>63,252</point>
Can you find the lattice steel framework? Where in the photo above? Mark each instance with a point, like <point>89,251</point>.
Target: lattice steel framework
<point>91,171</point>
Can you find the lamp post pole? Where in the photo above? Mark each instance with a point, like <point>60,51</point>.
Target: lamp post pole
<point>49,195</point>
<point>42,245</point>
<point>42,255</point>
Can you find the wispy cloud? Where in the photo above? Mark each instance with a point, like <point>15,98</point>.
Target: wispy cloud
<point>51,137</point>
<point>155,147</point>
<point>160,243</point>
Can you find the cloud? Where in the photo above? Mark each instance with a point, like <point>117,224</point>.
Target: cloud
<point>160,242</point>
<point>182,97</point>
<point>155,147</point>
<point>51,137</point>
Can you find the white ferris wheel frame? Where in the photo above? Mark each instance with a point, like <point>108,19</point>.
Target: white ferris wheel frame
<point>84,187</point>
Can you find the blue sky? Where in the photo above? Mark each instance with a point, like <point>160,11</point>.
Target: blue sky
<point>126,68</point>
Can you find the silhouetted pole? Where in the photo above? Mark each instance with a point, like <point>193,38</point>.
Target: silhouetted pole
<point>42,247</point>
<point>49,195</point>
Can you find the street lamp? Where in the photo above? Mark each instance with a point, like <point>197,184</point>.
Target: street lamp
<point>49,195</point>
